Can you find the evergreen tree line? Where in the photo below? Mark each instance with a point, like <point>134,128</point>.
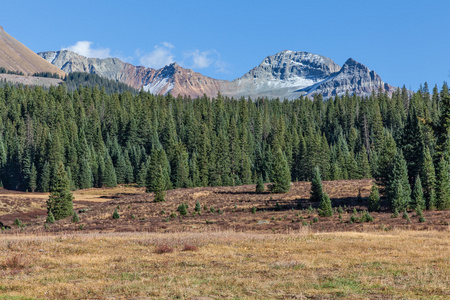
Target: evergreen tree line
<point>47,75</point>
<point>76,79</point>
<point>5,71</point>
<point>163,142</point>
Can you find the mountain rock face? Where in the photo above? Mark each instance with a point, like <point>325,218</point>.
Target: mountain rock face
<point>14,56</point>
<point>354,78</point>
<point>171,78</point>
<point>282,74</point>
<point>285,75</point>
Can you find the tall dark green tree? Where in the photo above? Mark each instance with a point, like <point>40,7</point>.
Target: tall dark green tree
<point>60,201</point>
<point>325,207</point>
<point>443,185</point>
<point>418,202</point>
<point>398,183</point>
<point>109,176</point>
<point>260,185</point>
<point>412,144</point>
<point>429,180</point>
<point>158,185</point>
<point>45,178</point>
<point>316,186</point>
<point>374,198</point>
<point>281,176</point>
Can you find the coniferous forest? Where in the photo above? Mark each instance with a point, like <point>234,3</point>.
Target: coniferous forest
<point>164,142</point>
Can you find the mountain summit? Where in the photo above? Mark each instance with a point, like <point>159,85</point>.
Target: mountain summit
<point>287,74</point>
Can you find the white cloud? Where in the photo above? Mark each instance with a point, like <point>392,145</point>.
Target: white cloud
<point>85,48</point>
<point>200,60</point>
<point>204,59</point>
<point>168,45</point>
<point>161,56</point>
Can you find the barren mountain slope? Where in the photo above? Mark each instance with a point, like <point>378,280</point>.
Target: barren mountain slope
<point>15,56</point>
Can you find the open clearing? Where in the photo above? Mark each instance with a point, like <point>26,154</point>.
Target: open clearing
<point>222,208</point>
<point>242,245</point>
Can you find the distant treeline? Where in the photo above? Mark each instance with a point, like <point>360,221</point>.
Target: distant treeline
<point>75,80</point>
<point>4,71</point>
<point>47,75</point>
<point>79,79</point>
<point>104,139</point>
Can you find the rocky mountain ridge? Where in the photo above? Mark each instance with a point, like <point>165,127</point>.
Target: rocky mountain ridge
<point>287,74</point>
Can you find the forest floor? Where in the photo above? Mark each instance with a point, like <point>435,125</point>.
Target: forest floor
<point>225,251</point>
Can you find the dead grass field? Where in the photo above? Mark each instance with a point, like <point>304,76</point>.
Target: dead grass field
<point>282,250</point>
<point>226,265</point>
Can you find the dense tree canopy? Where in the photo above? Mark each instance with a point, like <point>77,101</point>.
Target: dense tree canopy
<point>103,139</point>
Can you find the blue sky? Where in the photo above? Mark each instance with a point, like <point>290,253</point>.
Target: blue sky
<point>405,42</point>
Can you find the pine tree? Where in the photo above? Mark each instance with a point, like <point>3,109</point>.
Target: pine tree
<point>86,178</point>
<point>158,186</point>
<point>412,144</point>
<point>33,178</point>
<point>45,178</point>
<point>374,199</point>
<point>281,174</point>
<point>60,201</point>
<point>182,209</point>
<point>443,186</point>
<point>198,207</point>
<point>260,185</point>
<point>429,180</point>
<point>385,161</point>
<point>316,186</point>
<point>75,218</point>
<point>109,176</point>
<point>325,208</point>
<point>399,177</point>
<point>50,217</point>
<point>115,214</point>
<point>418,202</point>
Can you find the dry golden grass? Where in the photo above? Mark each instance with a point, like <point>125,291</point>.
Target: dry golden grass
<point>348,265</point>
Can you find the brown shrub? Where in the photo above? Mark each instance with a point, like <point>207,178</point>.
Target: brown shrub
<point>163,248</point>
<point>14,262</point>
<point>189,247</point>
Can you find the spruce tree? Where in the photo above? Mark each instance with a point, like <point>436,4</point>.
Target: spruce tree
<point>86,178</point>
<point>33,178</point>
<point>443,186</point>
<point>325,208</point>
<point>418,202</point>
<point>198,207</point>
<point>158,185</point>
<point>260,185</point>
<point>50,218</point>
<point>115,214</point>
<point>75,218</point>
<point>60,201</point>
<point>412,144</point>
<point>374,198</point>
<point>316,186</point>
<point>109,176</point>
<point>398,183</point>
<point>281,175</point>
<point>429,180</point>
<point>45,178</point>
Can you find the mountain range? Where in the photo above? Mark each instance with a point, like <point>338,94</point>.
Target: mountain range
<point>285,75</point>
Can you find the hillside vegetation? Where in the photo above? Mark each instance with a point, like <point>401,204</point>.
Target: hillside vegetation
<point>104,140</point>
